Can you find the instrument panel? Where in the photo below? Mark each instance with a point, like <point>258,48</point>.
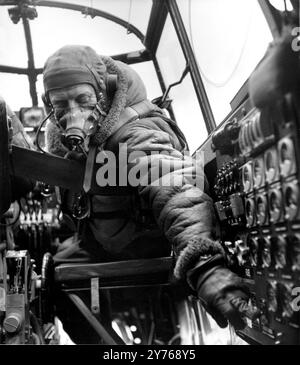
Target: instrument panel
<point>256,193</point>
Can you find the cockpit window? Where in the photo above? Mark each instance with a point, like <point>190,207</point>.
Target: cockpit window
<point>136,12</point>
<point>184,100</point>
<point>281,4</point>
<point>72,27</point>
<point>12,41</point>
<point>55,27</point>
<point>229,39</point>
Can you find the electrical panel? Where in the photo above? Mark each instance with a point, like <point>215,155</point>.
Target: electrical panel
<point>256,193</point>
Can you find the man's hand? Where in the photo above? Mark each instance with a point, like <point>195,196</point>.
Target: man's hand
<point>225,297</point>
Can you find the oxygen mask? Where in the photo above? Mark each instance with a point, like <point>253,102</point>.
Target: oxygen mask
<point>77,126</point>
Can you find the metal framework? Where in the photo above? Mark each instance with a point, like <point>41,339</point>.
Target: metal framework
<point>191,61</point>
<point>272,16</point>
<point>159,12</point>
<point>31,67</point>
<point>32,72</point>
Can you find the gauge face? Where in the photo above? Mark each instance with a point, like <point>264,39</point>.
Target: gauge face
<point>271,165</point>
<point>31,117</point>
<point>284,153</point>
<point>261,210</point>
<point>248,140</point>
<point>275,200</point>
<point>258,171</point>
<point>244,138</point>
<point>247,177</point>
<point>256,128</point>
<point>252,136</point>
<point>286,156</point>
<point>250,210</point>
<point>291,195</point>
<point>241,140</point>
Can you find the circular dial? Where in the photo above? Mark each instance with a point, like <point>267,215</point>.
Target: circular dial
<point>286,156</point>
<point>271,165</point>
<point>250,212</point>
<point>291,196</point>
<point>258,172</point>
<point>275,200</point>
<point>247,178</point>
<point>261,209</point>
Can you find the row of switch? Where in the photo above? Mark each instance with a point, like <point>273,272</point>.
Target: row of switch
<point>267,252</point>
<point>269,166</point>
<point>280,298</point>
<point>227,179</point>
<point>275,206</point>
<point>278,302</point>
<point>250,135</point>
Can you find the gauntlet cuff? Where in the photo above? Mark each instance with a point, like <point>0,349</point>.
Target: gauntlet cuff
<point>195,249</point>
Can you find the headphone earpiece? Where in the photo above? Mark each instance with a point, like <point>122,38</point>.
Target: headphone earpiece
<point>46,101</point>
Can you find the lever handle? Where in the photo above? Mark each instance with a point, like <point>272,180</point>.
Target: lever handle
<point>248,310</point>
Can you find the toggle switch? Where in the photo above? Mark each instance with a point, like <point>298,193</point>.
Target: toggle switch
<point>295,252</point>
<point>250,212</point>
<point>286,299</point>
<point>272,296</point>
<point>253,251</point>
<point>242,251</point>
<point>280,252</point>
<point>266,252</point>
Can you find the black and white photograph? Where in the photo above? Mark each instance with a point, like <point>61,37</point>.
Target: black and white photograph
<point>149,176</point>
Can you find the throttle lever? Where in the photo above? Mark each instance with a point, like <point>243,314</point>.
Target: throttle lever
<point>248,310</point>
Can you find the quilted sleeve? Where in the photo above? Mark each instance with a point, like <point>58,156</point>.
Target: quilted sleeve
<point>173,184</point>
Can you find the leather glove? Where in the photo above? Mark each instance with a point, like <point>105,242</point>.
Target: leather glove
<point>221,292</point>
